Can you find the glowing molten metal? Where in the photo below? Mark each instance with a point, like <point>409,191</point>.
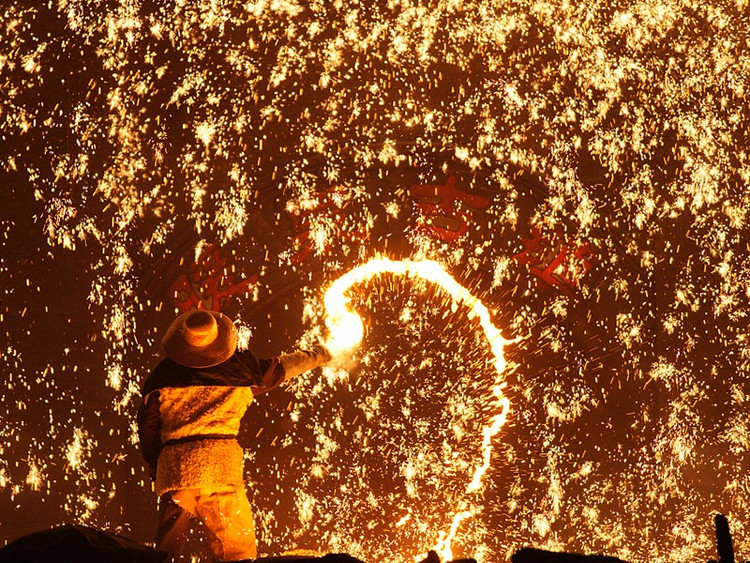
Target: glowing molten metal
<point>346,333</point>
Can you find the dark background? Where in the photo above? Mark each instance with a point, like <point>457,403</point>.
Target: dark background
<point>158,155</point>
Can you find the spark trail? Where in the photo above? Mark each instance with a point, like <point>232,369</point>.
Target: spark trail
<point>347,331</point>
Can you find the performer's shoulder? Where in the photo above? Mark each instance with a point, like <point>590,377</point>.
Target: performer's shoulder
<point>241,369</point>
<point>167,373</point>
<point>244,357</point>
<point>165,367</point>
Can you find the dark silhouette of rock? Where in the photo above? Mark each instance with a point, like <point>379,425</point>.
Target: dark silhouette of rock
<point>330,558</point>
<point>77,544</point>
<point>432,557</point>
<point>529,555</point>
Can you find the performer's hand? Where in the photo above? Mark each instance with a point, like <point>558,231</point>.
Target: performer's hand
<point>323,352</point>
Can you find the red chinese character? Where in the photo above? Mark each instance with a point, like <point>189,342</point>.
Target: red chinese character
<point>447,210</point>
<point>558,267</point>
<point>208,284</point>
<point>327,210</point>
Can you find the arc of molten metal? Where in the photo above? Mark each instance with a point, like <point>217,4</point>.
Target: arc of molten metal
<point>346,332</point>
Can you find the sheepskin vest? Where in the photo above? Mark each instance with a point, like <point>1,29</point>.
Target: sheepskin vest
<point>190,417</point>
<point>187,414</point>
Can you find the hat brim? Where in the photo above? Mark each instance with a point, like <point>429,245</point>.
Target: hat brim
<point>219,351</point>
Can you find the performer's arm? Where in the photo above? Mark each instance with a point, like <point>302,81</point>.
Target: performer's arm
<point>149,428</point>
<point>299,362</point>
<point>263,375</point>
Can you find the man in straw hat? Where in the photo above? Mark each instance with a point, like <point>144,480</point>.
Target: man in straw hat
<point>188,424</point>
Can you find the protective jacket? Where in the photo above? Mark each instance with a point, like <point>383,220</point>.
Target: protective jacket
<point>190,417</point>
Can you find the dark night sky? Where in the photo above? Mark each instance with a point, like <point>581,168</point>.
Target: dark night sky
<point>582,169</point>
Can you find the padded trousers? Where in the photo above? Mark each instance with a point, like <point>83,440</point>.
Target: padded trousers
<point>224,512</point>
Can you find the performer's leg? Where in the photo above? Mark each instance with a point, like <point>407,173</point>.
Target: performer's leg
<point>226,513</point>
<point>173,525</point>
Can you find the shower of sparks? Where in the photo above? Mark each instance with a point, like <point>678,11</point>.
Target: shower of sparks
<point>346,332</point>
<point>609,141</point>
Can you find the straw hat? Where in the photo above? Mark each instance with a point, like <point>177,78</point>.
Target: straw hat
<point>200,339</point>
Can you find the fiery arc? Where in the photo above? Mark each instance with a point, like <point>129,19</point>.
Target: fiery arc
<point>346,332</point>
